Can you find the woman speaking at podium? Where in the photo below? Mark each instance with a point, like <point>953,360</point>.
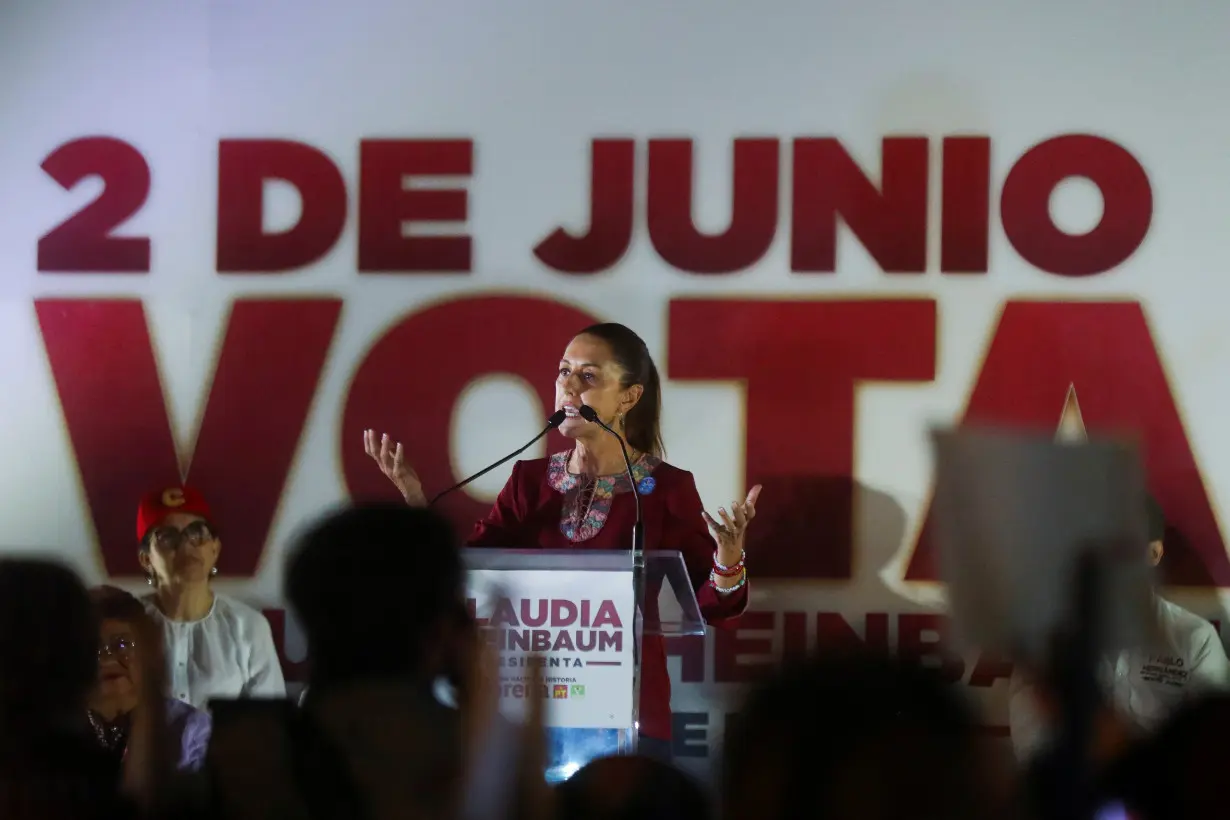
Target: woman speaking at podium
<point>581,499</point>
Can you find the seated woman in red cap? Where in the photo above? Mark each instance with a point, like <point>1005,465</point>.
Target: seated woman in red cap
<point>216,647</point>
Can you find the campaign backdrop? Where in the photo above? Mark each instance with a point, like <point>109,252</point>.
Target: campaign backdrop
<point>234,235</point>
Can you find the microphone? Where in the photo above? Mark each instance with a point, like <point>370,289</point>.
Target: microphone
<point>556,419</point>
<point>638,529</point>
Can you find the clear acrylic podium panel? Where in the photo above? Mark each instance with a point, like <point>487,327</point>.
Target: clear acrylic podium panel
<point>669,609</point>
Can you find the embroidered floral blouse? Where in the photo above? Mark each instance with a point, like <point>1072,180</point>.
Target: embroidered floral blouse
<point>543,505</point>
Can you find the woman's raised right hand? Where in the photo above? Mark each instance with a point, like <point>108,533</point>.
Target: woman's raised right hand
<point>388,454</point>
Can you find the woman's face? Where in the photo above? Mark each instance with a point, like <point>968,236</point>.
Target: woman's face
<point>182,550</point>
<point>118,669</point>
<point>589,375</point>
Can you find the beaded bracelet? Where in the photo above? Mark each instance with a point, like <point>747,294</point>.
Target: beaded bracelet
<point>713,576</point>
<point>730,571</point>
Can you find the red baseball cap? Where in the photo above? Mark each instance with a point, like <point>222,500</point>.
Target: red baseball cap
<point>156,506</point>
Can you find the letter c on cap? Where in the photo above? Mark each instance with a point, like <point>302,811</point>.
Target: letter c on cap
<point>173,497</point>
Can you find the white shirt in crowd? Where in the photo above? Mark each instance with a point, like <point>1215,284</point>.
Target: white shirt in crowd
<point>227,654</point>
<point>1145,687</point>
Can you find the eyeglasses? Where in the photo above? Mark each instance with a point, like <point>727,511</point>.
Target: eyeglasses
<point>119,648</point>
<point>170,538</point>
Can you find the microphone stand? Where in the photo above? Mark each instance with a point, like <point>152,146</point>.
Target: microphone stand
<point>554,421</point>
<point>638,553</point>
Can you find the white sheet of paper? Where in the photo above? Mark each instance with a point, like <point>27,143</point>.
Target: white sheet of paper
<point>1013,512</point>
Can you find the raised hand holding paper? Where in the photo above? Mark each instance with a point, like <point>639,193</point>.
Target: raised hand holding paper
<point>1014,513</point>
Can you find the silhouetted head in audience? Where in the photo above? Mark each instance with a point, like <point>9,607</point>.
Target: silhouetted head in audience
<point>857,737</point>
<point>49,647</point>
<point>631,788</point>
<point>379,592</point>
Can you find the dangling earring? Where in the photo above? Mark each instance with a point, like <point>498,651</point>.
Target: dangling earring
<point>213,571</point>
<point>619,420</point>
<point>149,579</point>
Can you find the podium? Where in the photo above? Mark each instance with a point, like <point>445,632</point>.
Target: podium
<point>575,613</point>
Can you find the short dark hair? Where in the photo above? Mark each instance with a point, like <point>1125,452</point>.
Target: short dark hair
<point>643,424</point>
<point>48,640</point>
<point>638,788</point>
<point>114,604</point>
<point>370,585</point>
<point>802,734</point>
<point>1155,519</point>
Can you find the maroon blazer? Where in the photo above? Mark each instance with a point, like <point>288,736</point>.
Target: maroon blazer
<point>539,507</point>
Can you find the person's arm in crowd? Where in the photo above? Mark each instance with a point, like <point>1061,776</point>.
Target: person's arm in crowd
<point>492,742</point>
<point>264,669</point>
<point>197,729</point>
<point>148,759</point>
<point>1029,719</point>
<point>504,760</point>
<point>1033,716</point>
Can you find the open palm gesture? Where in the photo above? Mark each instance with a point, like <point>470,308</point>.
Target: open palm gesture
<point>730,530</point>
<point>389,455</point>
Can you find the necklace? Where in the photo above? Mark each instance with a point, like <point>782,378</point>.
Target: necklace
<point>111,736</point>
<point>586,493</point>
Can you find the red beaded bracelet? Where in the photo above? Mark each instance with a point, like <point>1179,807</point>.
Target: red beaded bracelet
<point>713,576</point>
<point>731,571</point>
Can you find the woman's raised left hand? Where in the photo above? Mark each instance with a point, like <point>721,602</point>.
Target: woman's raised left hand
<point>729,532</point>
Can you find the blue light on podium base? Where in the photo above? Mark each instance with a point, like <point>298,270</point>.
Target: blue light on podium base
<point>568,750</point>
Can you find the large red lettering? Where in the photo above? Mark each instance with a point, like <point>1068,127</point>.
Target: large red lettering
<point>83,243</point>
<point>988,669</point>
<point>610,223</point>
<point>802,362</point>
<point>105,372</point>
<point>888,216</point>
<point>730,646</point>
<point>890,221</point>
<point>965,205</point>
<point>835,634</point>
<point>921,638</point>
<point>244,166</point>
<point>753,216</point>
<point>1127,205</point>
<point>520,336</point>
<point>385,205</point>
<point>1105,351</point>
<point>794,635</point>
